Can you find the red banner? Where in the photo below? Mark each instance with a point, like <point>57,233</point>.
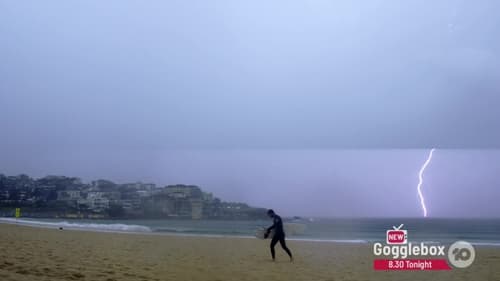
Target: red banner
<point>411,264</point>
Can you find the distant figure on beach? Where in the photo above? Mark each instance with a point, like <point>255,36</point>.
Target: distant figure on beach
<point>279,234</point>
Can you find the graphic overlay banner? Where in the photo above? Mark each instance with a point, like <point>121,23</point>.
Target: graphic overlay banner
<point>404,255</point>
<point>411,264</point>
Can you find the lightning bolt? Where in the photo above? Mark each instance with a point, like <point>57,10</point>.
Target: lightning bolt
<point>421,181</point>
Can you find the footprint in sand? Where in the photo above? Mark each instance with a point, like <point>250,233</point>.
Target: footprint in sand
<point>22,271</point>
<point>76,276</point>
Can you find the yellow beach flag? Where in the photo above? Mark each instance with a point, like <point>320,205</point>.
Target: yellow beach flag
<point>18,212</point>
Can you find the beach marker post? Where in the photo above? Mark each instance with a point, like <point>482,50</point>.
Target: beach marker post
<point>18,213</point>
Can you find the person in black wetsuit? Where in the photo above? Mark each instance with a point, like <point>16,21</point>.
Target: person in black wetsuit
<point>279,234</point>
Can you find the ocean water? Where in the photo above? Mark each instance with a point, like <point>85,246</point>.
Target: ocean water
<point>429,230</point>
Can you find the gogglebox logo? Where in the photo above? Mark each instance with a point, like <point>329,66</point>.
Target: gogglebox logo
<point>460,254</point>
<point>397,235</point>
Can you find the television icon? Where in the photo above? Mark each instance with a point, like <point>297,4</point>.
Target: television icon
<point>397,236</point>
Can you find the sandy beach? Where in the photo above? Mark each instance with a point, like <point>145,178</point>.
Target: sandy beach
<point>29,253</point>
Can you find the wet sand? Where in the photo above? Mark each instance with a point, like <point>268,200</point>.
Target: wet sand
<point>29,253</point>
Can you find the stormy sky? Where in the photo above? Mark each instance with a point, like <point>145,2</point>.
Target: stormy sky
<point>259,100</point>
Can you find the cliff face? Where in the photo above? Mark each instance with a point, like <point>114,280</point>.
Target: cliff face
<point>182,201</point>
<point>59,196</point>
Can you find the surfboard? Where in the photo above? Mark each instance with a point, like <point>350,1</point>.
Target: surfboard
<point>261,231</point>
<point>289,228</point>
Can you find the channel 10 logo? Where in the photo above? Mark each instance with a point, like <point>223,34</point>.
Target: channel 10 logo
<point>461,254</point>
<point>397,236</point>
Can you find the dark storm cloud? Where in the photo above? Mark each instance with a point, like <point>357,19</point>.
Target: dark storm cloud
<point>215,92</point>
<point>260,74</point>
<point>328,183</point>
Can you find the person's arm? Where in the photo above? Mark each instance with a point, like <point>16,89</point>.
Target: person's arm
<point>275,223</point>
<point>272,226</point>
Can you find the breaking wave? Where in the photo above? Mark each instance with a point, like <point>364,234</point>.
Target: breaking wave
<point>82,226</point>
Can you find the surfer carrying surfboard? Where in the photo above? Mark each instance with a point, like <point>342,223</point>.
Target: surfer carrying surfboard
<point>279,234</point>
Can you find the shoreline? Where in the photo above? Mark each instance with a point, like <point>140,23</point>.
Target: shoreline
<point>174,234</point>
<point>35,253</point>
<point>38,224</point>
